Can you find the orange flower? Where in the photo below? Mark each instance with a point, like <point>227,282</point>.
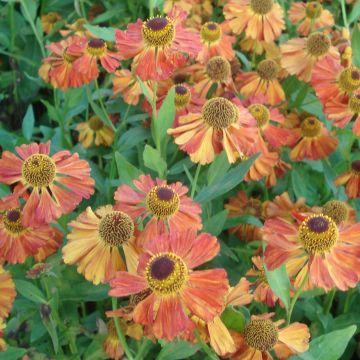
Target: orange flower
<point>165,205</point>
<point>300,55</point>
<point>7,293</point>
<point>56,184</point>
<point>340,212</point>
<point>262,335</point>
<point>351,179</point>
<point>278,171</point>
<point>166,269</point>
<point>264,81</point>
<point>221,125</point>
<point>215,42</point>
<point>313,140</point>
<point>262,166</point>
<point>309,17</point>
<point>49,20</point>
<point>51,246</point>
<point>76,28</point>
<point>158,45</point>
<point>327,252</point>
<point>94,243</point>
<point>260,19</point>
<point>95,129</point>
<point>185,5</point>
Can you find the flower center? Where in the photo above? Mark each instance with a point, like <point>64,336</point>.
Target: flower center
<point>261,334</point>
<point>12,221</point>
<point>268,69</point>
<point>355,167</point>
<point>52,17</point>
<point>116,228</point>
<point>162,201</point>
<point>158,31</point>
<point>210,32</point>
<point>68,57</point>
<point>38,170</point>
<point>261,7</point>
<point>261,114</point>
<point>219,113</point>
<point>318,233</point>
<point>349,79</point>
<point>318,44</point>
<point>182,96</point>
<point>336,210</point>
<point>95,123</point>
<point>313,10</point>
<point>96,47</point>
<point>218,69</point>
<point>311,127</point>
<point>262,276</point>
<point>354,103</point>
<point>166,273</point>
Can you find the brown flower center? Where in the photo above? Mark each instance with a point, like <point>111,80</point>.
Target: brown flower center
<point>12,221</point>
<point>313,10</point>
<point>261,335</point>
<point>355,167</point>
<point>311,127</point>
<point>182,96</point>
<point>162,201</point>
<point>268,69</point>
<point>210,32</point>
<point>218,69</point>
<point>38,170</point>
<point>261,7</point>
<point>318,44</point>
<point>219,113</point>
<point>336,210</point>
<point>354,103</point>
<point>95,123</point>
<point>158,31</point>
<point>261,114</point>
<point>349,79</point>
<point>96,47</point>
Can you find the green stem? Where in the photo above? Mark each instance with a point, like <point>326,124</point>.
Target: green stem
<point>82,8</point>
<point>120,334</point>
<point>142,349</point>
<point>205,347</point>
<point>329,301</point>
<point>348,299</point>
<point>193,187</point>
<point>294,299</point>
<point>343,11</point>
<point>108,120</point>
<point>151,8</point>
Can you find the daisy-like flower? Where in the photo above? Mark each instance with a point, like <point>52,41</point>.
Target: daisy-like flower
<point>310,16</point>
<point>264,81</point>
<point>262,335</point>
<point>56,183</point>
<point>166,206</point>
<point>94,243</point>
<point>313,140</point>
<point>221,125</point>
<point>260,19</point>
<point>48,21</point>
<point>89,52</point>
<point>263,166</point>
<point>351,180</point>
<point>327,252</point>
<point>94,131</point>
<point>301,54</point>
<point>177,291</point>
<point>51,246</point>
<point>215,42</point>
<point>158,45</point>
<point>7,293</point>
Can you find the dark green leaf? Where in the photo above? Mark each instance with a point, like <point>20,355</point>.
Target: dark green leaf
<point>215,224</point>
<point>243,219</point>
<point>126,171</point>
<point>166,114</point>
<point>177,350</point>
<point>28,123</point>
<point>355,44</point>
<point>30,292</point>
<point>12,353</point>
<point>233,319</point>
<point>298,181</point>
<point>218,168</point>
<point>105,33</point>
<point>154,161</point>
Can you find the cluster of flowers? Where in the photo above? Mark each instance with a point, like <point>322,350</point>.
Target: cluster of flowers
<point>147,244</point>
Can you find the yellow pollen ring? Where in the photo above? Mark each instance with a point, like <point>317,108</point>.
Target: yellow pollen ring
<point>38,170</point>
<point>13,221</point>
<point>182,96</point>
<point>349,79</point>
<point>261,114</point>
<point>354,103</point>
<point>68,57</point>
<point>158,31</point>
<point>261,334</point>
<point>311,127</point>
<point>210,32</point>
<point>162,201</point>
<point>96,47</point>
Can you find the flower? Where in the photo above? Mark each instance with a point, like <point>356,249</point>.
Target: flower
<point>51,246</point>
<point>220,125</point>
<point>7,293</point>
<point>76,28</point>
<point>312,140</point>
<point>260,19</point>
<point>166,269</point>
<point>165,205</point>
<point>94,242</point>
<point>309,17</point>
<point>300,55</point>
<point>56,183</point>
<point>2,341</point>
<point>39,270</point>
<point>263,166</point>
<point>95,129</point>
<point>351,178</point>
<point>49,20</point>
<point>339,211</point>
<point>264,81</point>
<point>327,252</point>
<point>262,335</point>
<point>215,42</point>
<point>158,45</point>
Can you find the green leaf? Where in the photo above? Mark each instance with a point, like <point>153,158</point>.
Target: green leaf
<point>30,292</point>
<point>355,13</point>
<point>12,353</point>
<point>226,182</point>
<point>126,171</point>
<point>233,319</point>
<point>50,325</point>
<point>28,123</point>
<point>218,168</point>
<point>177,350</point>
<point>145,90</point>
<point>330,346</point>
<point>243,219</point>
<point>278,280</point>
<point>298,183</point>
<point>214,225</point>
<point>28,9</point>
<point>355,44</point>
<point>105,33</point>
<point>166,115</point>
<point>154,161</point>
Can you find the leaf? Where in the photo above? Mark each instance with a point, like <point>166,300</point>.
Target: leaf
<point>233,319</point>
<point>218,168</point>
<point>330,346</point>
<point>50,325</point>
<point>278,280</point>
<point>30,292</point>
<point>243,219</point>
<point>226,182</point>
<point>177,350</point>
<point>154,161</point>
<point>104,33</point>
<point>355,44</point>
<point>298,183</point>
<point>214,225</point>
<point>28,9</point>
<point>126,171</point>
<point>13,353</point>
<point>28,123</point>
<point>145,90</point>
<point>355,13</point>
<point>166,114</point>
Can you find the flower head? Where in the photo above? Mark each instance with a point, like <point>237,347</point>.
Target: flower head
<point>7,293</point>
<point>49,20</point>
<point>351,180</point>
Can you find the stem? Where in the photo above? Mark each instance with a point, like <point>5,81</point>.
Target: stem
<point>205,347</point>
<point>294,299</point>
<point>154,118</point>
<point>82,8</point>
<point>142,349</point>
<point>329,301</point>
<point>348,299</point>
<point>193,187</point>
<point>343,11</point>
<point>151,8</point>
<point>119,332</point>
<point>108,121</point>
